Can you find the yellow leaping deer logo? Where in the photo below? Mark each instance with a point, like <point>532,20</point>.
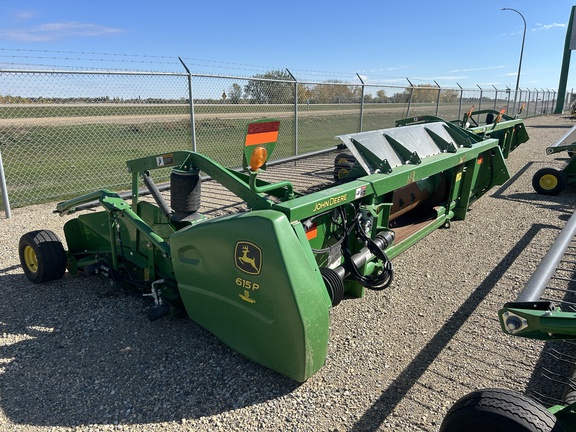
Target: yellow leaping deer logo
<point>248,257</point>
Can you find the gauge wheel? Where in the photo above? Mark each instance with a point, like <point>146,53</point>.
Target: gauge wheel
<point>343,164</point>
<point>498,410</point>
<point>42,256</point>
<point>549,181</point>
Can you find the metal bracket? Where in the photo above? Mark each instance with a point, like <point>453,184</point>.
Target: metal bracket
<point>404,153</point>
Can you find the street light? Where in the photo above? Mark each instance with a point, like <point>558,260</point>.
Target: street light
<point>521,53</point>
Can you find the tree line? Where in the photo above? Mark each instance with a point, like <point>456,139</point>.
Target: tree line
<point>277,87</point>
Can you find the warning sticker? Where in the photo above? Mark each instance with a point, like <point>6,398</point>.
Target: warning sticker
<point>360,192</point>
<point>165,160</point>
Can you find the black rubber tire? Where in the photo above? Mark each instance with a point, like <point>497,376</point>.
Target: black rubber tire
<point>343,163</point>
<point>557,183</point>
<point>498,410</point>
<point>42,256</point>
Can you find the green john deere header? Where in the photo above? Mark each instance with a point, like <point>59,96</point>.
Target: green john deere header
<point>264,281</point>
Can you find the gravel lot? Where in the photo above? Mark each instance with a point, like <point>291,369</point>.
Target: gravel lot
<point>78,354</point>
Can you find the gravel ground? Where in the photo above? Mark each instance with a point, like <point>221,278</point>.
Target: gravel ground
<point>78,354</point>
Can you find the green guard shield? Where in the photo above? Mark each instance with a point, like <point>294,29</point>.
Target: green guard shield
<point>250,281</point>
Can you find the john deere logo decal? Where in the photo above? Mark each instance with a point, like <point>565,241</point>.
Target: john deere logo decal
<point>248,257</point>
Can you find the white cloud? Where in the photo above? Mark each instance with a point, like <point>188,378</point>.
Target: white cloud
<point>547,26</point>
<point>58,30</point>
<point>24,15</point>
<point>476,69</point>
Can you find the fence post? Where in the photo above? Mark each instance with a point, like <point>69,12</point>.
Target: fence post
<point>410,98</point>
<point>495,96</point>
<point>437,98</point>
<point>508,102</point>
<point>460,101</point>
<point>191,103</point>
<point>361,104</point>
<point>295,111</point>
<point>4,190</point>
<point>480,98</point>
<point>528,103</point>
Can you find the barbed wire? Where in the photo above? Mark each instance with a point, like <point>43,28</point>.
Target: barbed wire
<point>146,59</point>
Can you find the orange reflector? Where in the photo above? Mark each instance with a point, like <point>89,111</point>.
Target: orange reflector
<point>480,160</point>
<point>312,232</point>
<point>258,158</point>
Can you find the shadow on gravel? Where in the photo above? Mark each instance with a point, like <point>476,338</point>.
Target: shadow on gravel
<point>74,352</point>
<point>551,126</point>
<point>398,389</point>
<point>500,193</point>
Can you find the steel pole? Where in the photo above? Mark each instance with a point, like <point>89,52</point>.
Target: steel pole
<point>191,104</point>
<point>410,99</point>
<point>295,111</point>
<point>360,125</point>
<point>521,54</point>
<point>4,190</point>
<point>545,270</point>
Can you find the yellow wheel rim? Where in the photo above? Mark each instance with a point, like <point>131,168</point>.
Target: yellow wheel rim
<point>548,181</point>
<point>30,259</point>
<point>342,173</point>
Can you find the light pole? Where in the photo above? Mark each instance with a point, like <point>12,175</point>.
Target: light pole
<point>521,54</point>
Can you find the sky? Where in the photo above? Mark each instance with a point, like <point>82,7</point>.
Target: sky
<point>449,42</point>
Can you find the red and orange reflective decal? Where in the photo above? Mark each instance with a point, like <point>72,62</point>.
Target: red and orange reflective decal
<point>262,133</point>
<point>312,232</point>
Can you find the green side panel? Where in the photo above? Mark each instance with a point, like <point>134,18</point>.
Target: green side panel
<point>249,280</point>
<point>88,234</point>
<point>510,134</point>
<point>88,239</point>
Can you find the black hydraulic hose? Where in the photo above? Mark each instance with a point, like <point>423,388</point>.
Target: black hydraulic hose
<point>379,281</point>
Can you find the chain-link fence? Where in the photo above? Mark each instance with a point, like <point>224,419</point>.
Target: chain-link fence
<point>65,133</point>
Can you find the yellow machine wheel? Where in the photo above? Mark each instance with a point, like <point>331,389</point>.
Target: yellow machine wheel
<point>30,259</point>
<point>42,256</point>
<point>549,181</point>
<point>343,163</point>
